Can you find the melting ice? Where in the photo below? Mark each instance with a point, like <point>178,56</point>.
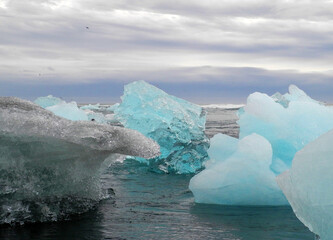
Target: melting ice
<point>283,123</point>
<point>308,186</point>
<point>50,166</point>
<point>177,125</point>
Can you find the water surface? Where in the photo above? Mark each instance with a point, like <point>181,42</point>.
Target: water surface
<point>147,205</point>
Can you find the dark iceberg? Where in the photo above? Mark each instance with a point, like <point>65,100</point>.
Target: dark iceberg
<point>50,167</point>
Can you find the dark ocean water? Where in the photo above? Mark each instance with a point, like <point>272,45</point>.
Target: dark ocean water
<point>147,205</point>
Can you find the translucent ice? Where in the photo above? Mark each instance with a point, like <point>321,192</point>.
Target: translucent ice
<point>91,107</point>
<point>287,121</point>
<point>177,125</point>
<point>308,185</point>
<point>50,167</point>
<point>48,101</point>
<point>61,108</point>
<point>113,107</point>
<point>238,173</point>
<point>69,111</point>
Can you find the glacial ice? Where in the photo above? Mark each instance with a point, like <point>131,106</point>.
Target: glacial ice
<point>91,107</point>
<point>69,111</point>
<point>177,125</point>
<point>50,167</point>
<point>238,173</point>
<point>113,107</point>
<point>48,101</point>
<point>61,108</point>
<point>308,185</point>
<point>287,121</point>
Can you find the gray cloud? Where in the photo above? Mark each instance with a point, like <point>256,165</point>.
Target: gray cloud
<point>165,40</point>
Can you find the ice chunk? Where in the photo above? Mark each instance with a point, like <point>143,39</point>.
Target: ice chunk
<point>113,107</point>
<point>91,107</point>
<point>221,148</point>
<point>308,185</point>
<point>177,125</point>
<point>288,126</point>
<point>239,176</point>
<point>69,111</point>
<point>50,166</point>
<point>48,101</point>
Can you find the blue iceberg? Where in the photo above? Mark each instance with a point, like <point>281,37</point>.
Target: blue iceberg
<point>308,186</point>
<point>285,123</point>
<point>50,166</point>
<point>113,107</point>
<point>238,173</point>
<point>288,122</point>
<point>48,101</point>
<point>61,108</point>
<point>177,125</point>
<point>71,111</point>
<point>91,107</point>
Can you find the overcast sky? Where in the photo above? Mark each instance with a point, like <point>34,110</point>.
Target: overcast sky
<point>205,51</point>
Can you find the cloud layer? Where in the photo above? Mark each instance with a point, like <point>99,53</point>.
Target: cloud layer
<point>68,42</point>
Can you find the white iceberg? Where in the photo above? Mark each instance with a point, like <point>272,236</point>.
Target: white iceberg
<point>48,101</point>
<point>308,186</point>
<point>91,107</point>
<point>238,174</point>
<point>286,123</point>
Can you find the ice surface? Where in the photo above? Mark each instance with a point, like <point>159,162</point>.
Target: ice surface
<point>177,125</point>
<point>69,111</point>
<point>91,107</point>
<point>287,121</point>
<point>238,173</point>
<point>113,107</point>
<point>61,108</point>
<point>308,185</point>
<point>50,166</point>
<point>48,101</point>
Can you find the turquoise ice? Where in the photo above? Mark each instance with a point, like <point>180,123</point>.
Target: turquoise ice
<point>91,107</point>
<point>288,122</point>
<point>177,125</point>
<point>71,111</point>
<point>48,101</point>
<point>61,108</point>
<point>285,123</point>
<point>238,173</point>
<point>308,186</point>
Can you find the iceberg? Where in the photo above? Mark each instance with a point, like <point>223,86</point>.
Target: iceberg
<point>61,108</point>
<point>113,107</point>
<point>308,186</point>
<point>238,173</point>
<point>288,122</point>
<point>48,101</point>
<point>177,125</point>
<point>91,107</point>
<point>285,123</point>
<point>50,167</point>
<point>69,111</point>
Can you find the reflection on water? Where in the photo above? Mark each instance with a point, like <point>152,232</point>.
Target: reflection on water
<point>147,205</point>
